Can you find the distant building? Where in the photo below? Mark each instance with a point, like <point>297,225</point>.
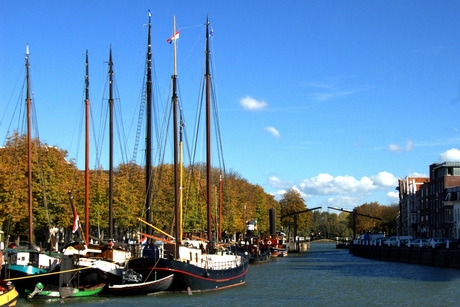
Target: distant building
<point>424,197</point>
<point>442,176</point>
<point>427,205</point>
<point>409,205</point>
<point>452,202</point>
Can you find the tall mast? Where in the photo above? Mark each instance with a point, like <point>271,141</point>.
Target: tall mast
<point>111,147</point>
<point>176,164</point>
<point>220,207</point>
<point>29,151</point>
<point>148,139</point>
<point>180,174</point>
<point>87,151</point>
<point>208,132</point>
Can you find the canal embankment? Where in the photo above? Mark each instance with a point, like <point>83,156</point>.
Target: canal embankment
<point>440,257</point>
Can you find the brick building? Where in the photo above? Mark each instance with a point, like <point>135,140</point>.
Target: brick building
<point>426,204</point>
<point>409,205</point>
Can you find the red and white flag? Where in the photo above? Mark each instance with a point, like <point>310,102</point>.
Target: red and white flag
<point>76,224</point>
<point>143,241</point>
<point>172,38</point>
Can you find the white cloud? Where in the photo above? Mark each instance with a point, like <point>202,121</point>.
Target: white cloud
<point>302,194</point>
<point>274,182</point>
<point>385,180</point>
<point>415,174</point>
<point>279,194</point>
<point>410,145</point>
<point>343,191</point>
<point>329,96</point>
<point>275,133</point>
<point>452,155</point>
<point>393,195</point>
<point>325,184</point>
<point>344,202</point>
<point>252,104</point>
<point>397,148</point>
<point>394,148</point>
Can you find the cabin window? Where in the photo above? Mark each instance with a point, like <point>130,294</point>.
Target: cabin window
<point>196,255</point>
<point>191,256</point>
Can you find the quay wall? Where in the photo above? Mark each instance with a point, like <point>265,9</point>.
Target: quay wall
<point>303,247</point>
<point>448,258</point>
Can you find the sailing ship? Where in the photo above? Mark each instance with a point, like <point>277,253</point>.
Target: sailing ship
<point>107,257</point>
<point>21,263</point>
<point>197,265</point>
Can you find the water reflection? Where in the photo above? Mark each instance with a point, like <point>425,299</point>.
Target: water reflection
<point>322,277</point>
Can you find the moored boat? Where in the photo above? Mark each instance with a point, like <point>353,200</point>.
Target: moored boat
<point>51,291</point>
<point>253,246</point>
<point>197,265</point>
<point>8,294</point>
<point>107,257</point>
<point>69,282</point>
<point>276,244</point>
<point>142,288</point>
<point>24,262</point>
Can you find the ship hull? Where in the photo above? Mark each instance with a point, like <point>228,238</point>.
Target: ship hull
<point>279,252</point>
<point>189,277</point>
<point>142,288</point>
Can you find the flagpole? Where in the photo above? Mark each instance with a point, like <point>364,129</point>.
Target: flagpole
<point>174,38</point>
<point>80,232</point>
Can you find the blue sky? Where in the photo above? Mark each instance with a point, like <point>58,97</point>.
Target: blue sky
<point>338,99</point>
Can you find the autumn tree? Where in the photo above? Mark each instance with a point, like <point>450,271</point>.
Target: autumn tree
<point>387,214</point>
<point>292,202</point>
<point>52,174</point>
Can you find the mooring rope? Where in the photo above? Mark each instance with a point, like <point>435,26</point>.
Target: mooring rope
<point>47,274</point>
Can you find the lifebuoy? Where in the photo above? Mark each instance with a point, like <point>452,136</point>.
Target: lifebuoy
<point>269,242</point>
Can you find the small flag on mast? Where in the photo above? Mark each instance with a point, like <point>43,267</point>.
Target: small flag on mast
<point>211,32</point>
<point>76,224</point>
<point>143,241</point>
<point>172,38</point>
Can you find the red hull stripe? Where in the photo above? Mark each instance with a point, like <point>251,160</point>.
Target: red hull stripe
<point>219,280</point>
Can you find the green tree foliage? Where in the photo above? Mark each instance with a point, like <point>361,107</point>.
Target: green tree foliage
<point>330,224</point>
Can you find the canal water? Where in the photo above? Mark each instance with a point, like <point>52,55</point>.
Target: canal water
<point>324,276</point>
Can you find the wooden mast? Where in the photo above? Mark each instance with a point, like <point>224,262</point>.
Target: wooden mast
<point>220,208</point>
<point>148,138</point>
<point>111,147</point>
<point>208,133</point>
<point>176,162</point>
<point>87,151</point>
<point>180,174</point>
<point>29,150</point>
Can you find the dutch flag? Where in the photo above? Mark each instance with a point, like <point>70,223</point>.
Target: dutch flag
<point>143,241</point>
<point>174,37</point>
<point>75,224</point>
